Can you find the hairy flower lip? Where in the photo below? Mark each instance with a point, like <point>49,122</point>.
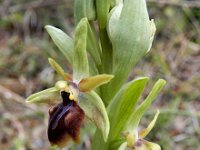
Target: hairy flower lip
<point>65,121</point>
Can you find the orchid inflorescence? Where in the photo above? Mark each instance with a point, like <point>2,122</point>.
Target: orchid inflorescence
<point>101,65</point>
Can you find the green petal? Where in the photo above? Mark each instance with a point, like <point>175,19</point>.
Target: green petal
<point>59,69</point>
<point>80,60</point>
<point>143,133</point>
<point>62,41</point>
<point>90,83</point>
<point>137,115</point>
<point>95,110</point>
<point>122,105</point>
<point>45,96</point>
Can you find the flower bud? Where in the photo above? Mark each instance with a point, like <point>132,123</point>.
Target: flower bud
<point>129,31</point>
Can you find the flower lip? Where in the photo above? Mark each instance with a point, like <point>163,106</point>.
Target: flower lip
<point>65,120</point>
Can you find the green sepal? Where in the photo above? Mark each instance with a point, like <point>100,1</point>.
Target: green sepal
<point>62,41</point>
<point>46,96</point>
<point>80,59</point>
<point>95,110</point>
<point>59,69</point>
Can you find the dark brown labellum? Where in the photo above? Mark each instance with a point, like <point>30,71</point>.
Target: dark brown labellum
<point>65,120</point>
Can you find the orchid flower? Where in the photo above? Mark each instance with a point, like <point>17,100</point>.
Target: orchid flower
<point>136,141</point>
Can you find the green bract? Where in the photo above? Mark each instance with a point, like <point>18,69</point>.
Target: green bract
<point>101,60</point>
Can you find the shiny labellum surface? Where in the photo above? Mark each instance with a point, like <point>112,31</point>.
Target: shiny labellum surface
<point>65,120</point>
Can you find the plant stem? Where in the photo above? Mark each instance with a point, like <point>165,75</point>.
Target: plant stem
<point>106,52</point>
<point>107,60</point>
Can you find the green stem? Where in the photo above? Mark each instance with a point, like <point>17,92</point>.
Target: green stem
<point>97,43</point>
<point>107,61</point>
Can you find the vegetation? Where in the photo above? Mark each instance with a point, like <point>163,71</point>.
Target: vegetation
<point>174,56</point>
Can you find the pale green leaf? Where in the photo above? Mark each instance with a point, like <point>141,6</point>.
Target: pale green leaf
<point>137,115</point>
<point>62,41</point>
<point>80,60</point>
<point>95,110</point>
<point>45,96</point>
<point>90,83</point>
<point>122,105</point>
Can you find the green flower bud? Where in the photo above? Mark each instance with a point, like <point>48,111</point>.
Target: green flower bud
<point>129,31</point>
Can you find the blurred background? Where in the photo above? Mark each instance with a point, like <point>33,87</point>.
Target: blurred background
<point>24,69</point>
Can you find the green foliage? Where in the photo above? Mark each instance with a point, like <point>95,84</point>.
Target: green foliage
<point>125,35</point>
<point>139,112</point>
<point>94,108</point>
<point>63,41</point>
<point>122,105</point>
<point>80,59</point>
